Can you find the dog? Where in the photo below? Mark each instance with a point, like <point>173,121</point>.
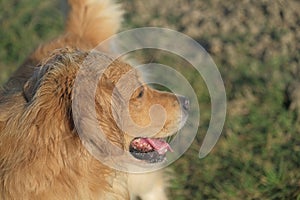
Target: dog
<point>41,153</point>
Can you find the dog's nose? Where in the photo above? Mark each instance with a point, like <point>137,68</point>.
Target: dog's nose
<point>185,102</point>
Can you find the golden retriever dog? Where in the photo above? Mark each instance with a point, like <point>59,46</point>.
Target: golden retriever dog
<point>41,153</point>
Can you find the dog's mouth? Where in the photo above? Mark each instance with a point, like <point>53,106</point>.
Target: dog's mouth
<point>152,150</point>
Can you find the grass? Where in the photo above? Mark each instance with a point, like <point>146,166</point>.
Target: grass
<point>258,154</point>
<point>24,25</point>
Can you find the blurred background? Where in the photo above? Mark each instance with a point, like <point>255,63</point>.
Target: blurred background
<point>256,46</point>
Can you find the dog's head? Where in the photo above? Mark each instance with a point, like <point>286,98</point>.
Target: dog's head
<point>131,115</point>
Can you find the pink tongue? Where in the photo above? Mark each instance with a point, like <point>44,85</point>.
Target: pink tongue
<point>159,145</point>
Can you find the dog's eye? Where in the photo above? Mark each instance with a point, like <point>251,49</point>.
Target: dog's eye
<point>141,93</point>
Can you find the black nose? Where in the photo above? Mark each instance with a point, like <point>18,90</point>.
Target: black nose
<point>184,102</point>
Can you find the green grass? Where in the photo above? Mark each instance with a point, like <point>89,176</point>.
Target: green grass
<point>258,154</point>
<point>24,25</point>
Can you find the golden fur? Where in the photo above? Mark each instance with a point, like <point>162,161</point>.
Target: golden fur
<point>41,155</point>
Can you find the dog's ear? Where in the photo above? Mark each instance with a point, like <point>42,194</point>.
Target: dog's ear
<point>31,86</point>
<point>34,82</point>
<point>28,91</point>
<point>59,67</point>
